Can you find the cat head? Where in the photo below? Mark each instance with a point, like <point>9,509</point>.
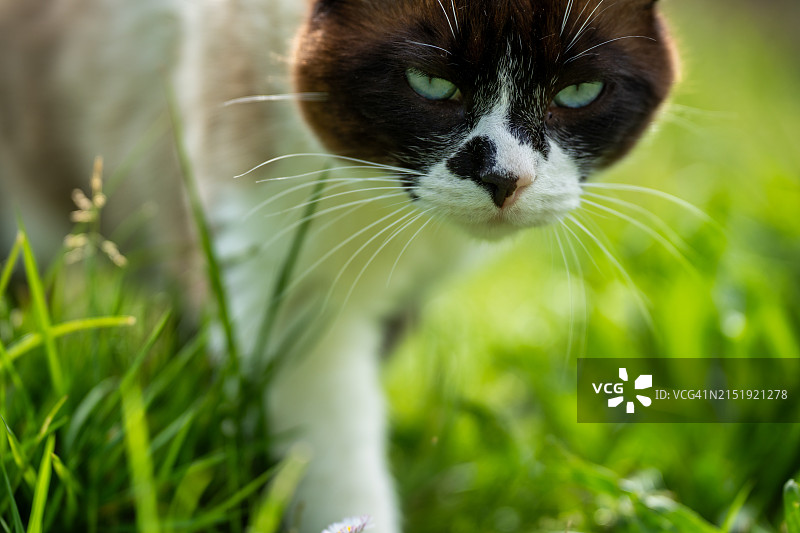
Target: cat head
<point>501,108</point>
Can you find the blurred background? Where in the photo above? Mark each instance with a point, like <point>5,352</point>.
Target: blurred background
<point>490,374</point>
<point>694,252</point>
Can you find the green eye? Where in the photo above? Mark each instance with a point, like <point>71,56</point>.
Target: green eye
<point>430,87</point>
<point>580,95</point>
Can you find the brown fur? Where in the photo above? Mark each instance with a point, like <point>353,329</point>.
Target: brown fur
<point>353,44</point>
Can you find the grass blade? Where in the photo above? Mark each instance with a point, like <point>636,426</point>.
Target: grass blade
<point>138,360</point>
<point>66,477</point>
<point>791,506</point>
<point>35,524</point>
<point>269,515</point>
<point>19,458</point>
<point>221,511</point>
<point>30,342</point>
<point>172,453</point>
<point>176,427</point>
<point>84,409</point>
<point>14,510</point>
<point>5,277</point>
<point>287,268</point>
<point>736,507</point>
<point>42,315</point>
<point>172,371</point>
<point>21,391</point>
<point>190,489</point>
<point>137,444</point>
<point>204,231</point>
<point>48,420</point>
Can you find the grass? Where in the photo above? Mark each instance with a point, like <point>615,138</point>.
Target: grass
<point>116,419</point>
<point>136,449</point>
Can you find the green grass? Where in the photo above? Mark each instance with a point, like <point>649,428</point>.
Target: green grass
<point>132,446</point>
<point>116,419</point>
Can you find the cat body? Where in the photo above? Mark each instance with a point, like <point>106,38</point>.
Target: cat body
<point>460,117</point>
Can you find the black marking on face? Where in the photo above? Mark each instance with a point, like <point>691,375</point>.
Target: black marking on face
<point>529,131</point>
<point>478,156</point>
<point>477,161</point>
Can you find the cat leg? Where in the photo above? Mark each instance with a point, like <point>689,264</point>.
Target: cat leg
<point>332,400</point>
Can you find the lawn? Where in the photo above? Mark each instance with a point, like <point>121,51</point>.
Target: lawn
<point>117,419</point>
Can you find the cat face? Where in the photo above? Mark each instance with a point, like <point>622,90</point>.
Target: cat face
<point>500,108</point>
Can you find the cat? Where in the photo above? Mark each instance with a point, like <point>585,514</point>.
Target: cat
<point>448,121</point>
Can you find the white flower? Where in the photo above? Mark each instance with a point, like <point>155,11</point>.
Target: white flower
<point>355,524</point>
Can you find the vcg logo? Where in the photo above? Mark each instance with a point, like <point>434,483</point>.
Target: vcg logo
<point>644,381</point>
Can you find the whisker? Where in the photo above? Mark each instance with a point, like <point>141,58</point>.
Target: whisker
<point>640,301</point>
<point>658,221</point>
<point>685,123</point>
<point>448,52</point>
<point>585,299</point>
<point>389,206</point>
<point>338,183</point>
<point>455,15</point>
<point>573,58</point>
<point>351,209</point>
<point>338,247</point>
<point>655,192</point>
<point>394,266</point>
<point>399,170</point>
<point>316,214</point>
<point>381,248</point>
<point>569,288</point>
<point>282,194</point>
<point>567,13</point>
<point>256,249</point>
<point>315,172</point>
<point>304,97</point>
<point>585,24</point>
<point>357,253</point>
<point>574,24</point>
<point>583,246</point>
<point>691,110</point>
<point>337,195</point>
<point>409,223</point>
<point>448,19</point>
<point>320,308</point>
<point>669,246</point>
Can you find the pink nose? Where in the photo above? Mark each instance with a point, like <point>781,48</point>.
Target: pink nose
<point>521,183</point>
<point>500,186</point>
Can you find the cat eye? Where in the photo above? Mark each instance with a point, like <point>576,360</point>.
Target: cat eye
<point>579,95</point>
<point>430,87</point>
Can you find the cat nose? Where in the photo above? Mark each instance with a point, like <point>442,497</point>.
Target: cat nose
<point>477,161</point>
<point>500,185</point>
